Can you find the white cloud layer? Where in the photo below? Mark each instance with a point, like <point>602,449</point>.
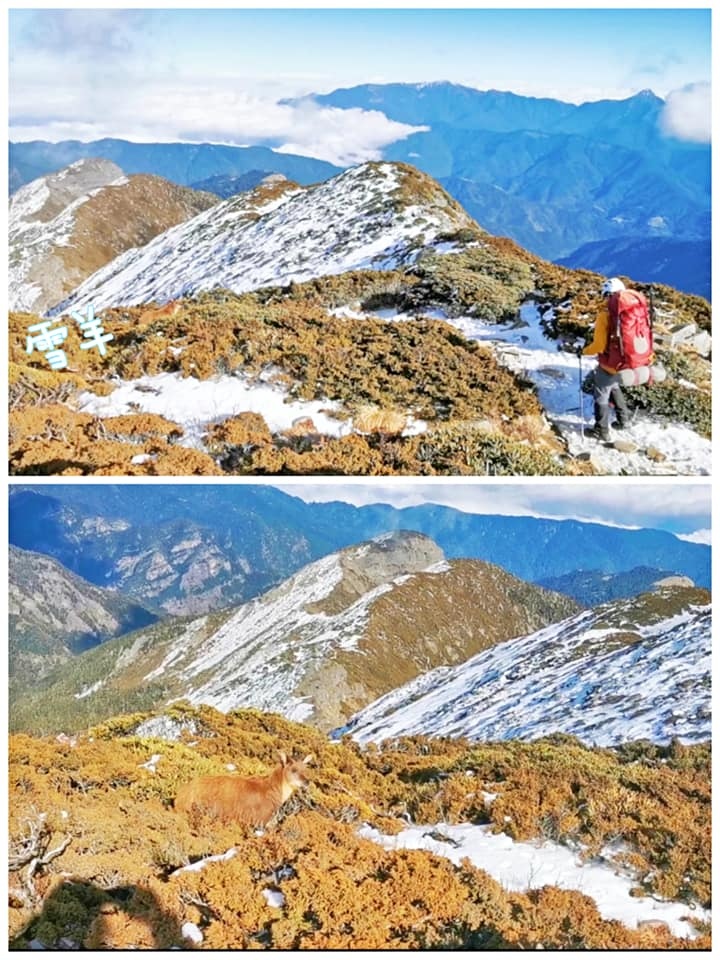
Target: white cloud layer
<point>218,114</point>
<point>699,536</point>
<point>686,114</point>
<point>343,137</point>
<point>630,505</point>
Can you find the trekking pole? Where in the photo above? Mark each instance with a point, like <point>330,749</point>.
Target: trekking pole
<point>580,385</point>
<point>651,312</point>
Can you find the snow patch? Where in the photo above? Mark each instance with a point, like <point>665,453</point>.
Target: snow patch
<point>274,898</point>
<point>196,404</point>
<point>529,866</point>
<point>569,677</point>
<point>152,763</point>
<point>201,864</point>
<point>192,932</point>
<point>524,348</point>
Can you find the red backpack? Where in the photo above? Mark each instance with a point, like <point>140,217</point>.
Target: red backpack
<point>630,340</point>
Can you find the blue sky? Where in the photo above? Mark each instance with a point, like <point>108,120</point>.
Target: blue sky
<point>160,74</point>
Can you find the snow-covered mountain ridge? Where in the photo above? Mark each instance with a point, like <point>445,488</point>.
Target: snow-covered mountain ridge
<point>323,644</point>
<point>301,377</point>
<point>41,216</point>
<point>64,226</point>
<point>628,670</point>
<point>376,216</point>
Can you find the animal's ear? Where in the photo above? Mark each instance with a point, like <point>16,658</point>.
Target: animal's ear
<point>308,759</point>
<point>283,757</point>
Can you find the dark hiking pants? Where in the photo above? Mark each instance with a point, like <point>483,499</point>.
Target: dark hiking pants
<point>606,391</point>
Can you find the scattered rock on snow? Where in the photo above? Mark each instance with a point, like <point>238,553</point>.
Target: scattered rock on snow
<point>652,453</point>
<point>625,446</point>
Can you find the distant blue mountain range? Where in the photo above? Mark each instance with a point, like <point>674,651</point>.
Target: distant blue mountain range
<point>556,177</point>
<point>89,528</point>
<point>182,163</point>
<point>684,264</point>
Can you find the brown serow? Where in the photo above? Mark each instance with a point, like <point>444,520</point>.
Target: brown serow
<point>249,800</point>
<point>169,310</point>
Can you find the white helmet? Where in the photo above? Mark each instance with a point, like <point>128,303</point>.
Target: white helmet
<point>613,285</point>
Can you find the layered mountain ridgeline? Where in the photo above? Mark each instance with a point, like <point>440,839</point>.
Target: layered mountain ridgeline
<point>629,670</point>
<point>376,215</point>
<point>182,163</point>
<point>685,264</point>
<point>179,565</point>
<point>555,176</point>
<point>114,535</point>
<point>322,645</point>
<point>359,372</point>
<point>313,881</point>
<point>54,614</point>
<point>591,587</point>
<point>65,226</point>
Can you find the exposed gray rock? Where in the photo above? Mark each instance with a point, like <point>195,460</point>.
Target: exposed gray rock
<point>379,561</point>
<point>675,581</point>
<point>165,728</point>
<point>702,343</point>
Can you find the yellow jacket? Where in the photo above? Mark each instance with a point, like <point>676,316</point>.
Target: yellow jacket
<point>600,338</point>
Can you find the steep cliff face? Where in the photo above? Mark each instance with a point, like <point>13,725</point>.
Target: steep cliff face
<point>54,614</point>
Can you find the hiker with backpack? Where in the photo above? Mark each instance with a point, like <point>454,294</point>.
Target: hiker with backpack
<point>623,344</point>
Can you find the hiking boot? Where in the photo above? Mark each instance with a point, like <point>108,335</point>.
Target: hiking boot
<point>599,434</point>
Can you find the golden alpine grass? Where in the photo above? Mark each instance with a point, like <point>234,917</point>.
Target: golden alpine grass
<point>115,883</point>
